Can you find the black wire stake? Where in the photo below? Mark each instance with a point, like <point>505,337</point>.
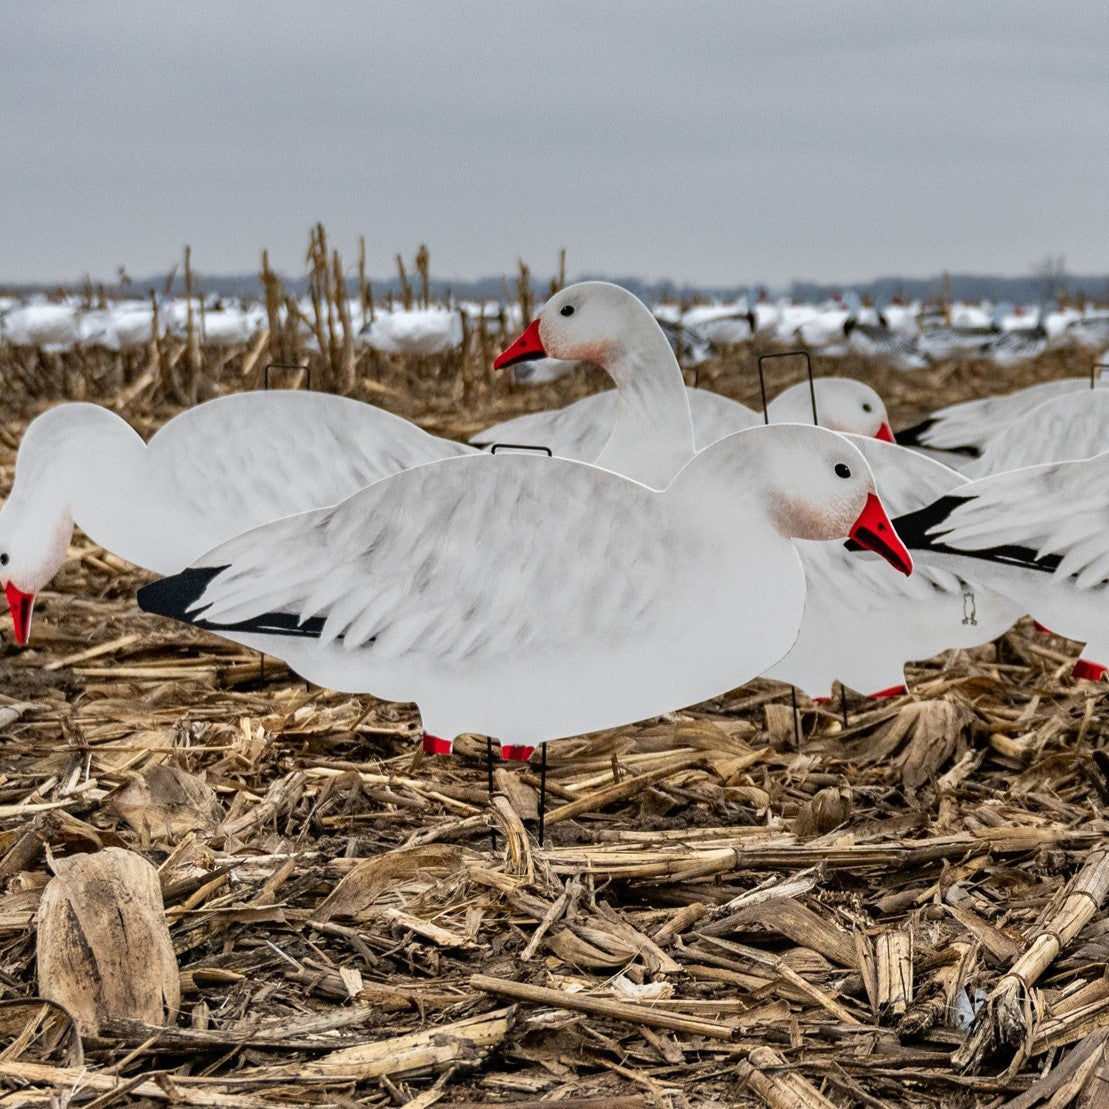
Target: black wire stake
<point>796,721</point>
<point>843,704</point>
<point>542,793</point>
<point>489,779</point>
<point>521,447</point>
<point>287,367</point>
<point>808,369</point>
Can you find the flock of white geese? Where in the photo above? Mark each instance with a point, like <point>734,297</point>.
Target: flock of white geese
<point>651,547</point>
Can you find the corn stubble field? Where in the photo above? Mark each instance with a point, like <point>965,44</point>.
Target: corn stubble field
<point>719,916</point>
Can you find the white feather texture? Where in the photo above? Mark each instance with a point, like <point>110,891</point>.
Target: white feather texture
<point>970,428</point>
<point>1070,426</point>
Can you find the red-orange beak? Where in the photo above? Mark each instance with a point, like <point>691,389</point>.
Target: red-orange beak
<point>21,605</point>
<point>526,349</point>
<point>885,433</point>
<point>874,531</point>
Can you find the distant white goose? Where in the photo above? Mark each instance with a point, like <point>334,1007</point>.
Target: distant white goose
<point>208,474</point>
<point>962,432</point>
<point>861,623</point>
<point>54,327</point>
<point>581,429</point>
<point>530,598</point>
<point>1037,535</point>
<point>413,331</point>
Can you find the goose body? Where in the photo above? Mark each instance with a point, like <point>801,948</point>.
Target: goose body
<point>530,598</point>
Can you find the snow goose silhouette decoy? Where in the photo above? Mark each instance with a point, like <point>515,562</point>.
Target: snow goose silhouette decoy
<point>649,435</point>
<point>962,432</point>
<point>1037,535</point>
<point>205,476</point>
<point>861,623</point>
<point>530,598</point>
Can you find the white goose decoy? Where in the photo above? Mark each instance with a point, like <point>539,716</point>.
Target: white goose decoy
<point>205,476</point>
<point>861,623</point>
<point>649,436</point>
<point>580,429</point>
<point>448,584</point>
<point>963,432</point>
<point>1037,535</point>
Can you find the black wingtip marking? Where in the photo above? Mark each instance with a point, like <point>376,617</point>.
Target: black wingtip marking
<point>910,436</point>
<point>913,437</point>
<point>913,528</point>
<point>175,596</point>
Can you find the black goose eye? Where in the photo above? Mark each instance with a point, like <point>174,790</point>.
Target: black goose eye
<point>4,559</point>
<point>866,407</point>
<point>842,470</point>
<point>568,310</point>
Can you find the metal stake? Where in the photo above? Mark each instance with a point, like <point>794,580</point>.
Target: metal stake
<point>521,447</point>
<point>290,366</point>
<point>808,369</point>
<point>489,779</point>
<point>843,704</point>
<point>796,721</point>
<point>542,794</point>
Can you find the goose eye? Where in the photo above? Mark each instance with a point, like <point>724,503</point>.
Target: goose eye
<point>4,559</point>
<point>867,407</point>
<point>568,310</point>
<point>842,470</point>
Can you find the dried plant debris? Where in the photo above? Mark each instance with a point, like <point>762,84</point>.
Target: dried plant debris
<point>223,888</point>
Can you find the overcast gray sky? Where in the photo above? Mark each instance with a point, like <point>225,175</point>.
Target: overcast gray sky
<point>709,142</point>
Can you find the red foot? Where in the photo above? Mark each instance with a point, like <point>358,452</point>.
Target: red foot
<point>1040,628</point>
<point>893,691</point>
<point>433,745</point>
<point>821,700</point>
<point>516,752</point>
<point>1091,671</point>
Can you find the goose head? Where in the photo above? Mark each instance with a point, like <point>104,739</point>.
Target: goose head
<point>34,538</point>
<point>592,321</point>
<point>842,404</point>
<point>818,486</point>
